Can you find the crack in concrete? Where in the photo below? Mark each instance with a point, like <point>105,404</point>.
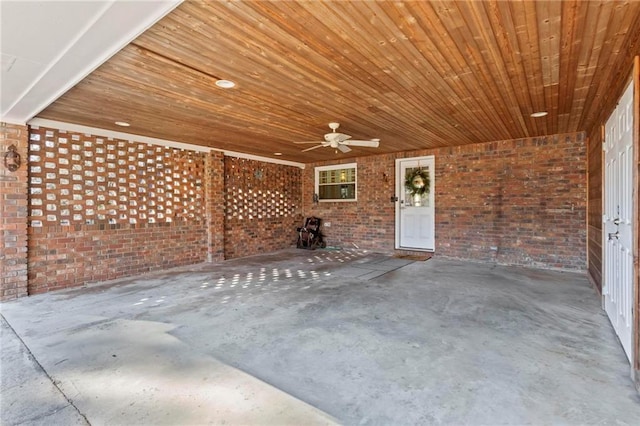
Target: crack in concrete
<point>41,368</point>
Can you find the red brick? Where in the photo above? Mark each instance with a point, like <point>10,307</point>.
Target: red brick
<point>510,195</point>
<point>13,190</point>
<point>269,198</point>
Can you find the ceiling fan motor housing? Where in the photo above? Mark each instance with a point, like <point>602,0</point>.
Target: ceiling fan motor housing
<point>340,140</point>
<point>336,137</point>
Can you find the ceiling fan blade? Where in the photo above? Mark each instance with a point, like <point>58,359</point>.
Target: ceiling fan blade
<point>313,147</point>
<point>344,148</point>
<point>310,142</point>
<point>372,143</point>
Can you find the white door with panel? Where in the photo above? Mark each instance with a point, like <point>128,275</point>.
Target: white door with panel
<point>617,288</point>
<point>415,209</point>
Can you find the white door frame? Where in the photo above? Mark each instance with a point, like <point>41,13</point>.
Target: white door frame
<point>402,203</point>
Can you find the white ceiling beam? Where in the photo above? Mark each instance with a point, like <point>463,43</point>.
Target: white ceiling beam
<point>40,66</point>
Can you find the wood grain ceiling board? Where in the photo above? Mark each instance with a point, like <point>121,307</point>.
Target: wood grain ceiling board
<point>416,74</point>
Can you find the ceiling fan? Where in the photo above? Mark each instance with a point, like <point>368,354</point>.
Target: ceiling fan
<point>340,141</point>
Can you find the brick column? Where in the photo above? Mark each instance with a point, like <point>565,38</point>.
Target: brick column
<point>215,202</point>
<point>14,186</point>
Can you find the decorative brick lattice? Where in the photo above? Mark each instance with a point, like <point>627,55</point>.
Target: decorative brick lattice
<point>83,179</point>
<point>263,206</point>
<point>260,191</point>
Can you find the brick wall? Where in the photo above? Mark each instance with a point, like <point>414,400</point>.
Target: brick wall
<point>263,206</point>
<point>366,223</point>
<point>520,202</point>
<point>68,256</point>
<point>594,209</point>
<point>102,209</point>
<point>215,195</point>
<point>13,215</point>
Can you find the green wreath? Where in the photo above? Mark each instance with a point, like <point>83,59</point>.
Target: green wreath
<point>417,181</point>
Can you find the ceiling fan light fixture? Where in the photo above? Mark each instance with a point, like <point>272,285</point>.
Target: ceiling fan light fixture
<point>539,114</point>
<point>225,84</point>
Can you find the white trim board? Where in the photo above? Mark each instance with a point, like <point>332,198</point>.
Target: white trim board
<point>263,159</point>
<point>95,131</point>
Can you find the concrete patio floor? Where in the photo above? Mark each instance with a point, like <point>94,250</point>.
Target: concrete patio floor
<point>322,337</point>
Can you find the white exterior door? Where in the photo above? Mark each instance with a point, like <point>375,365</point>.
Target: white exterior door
<point>617,288</point>
<point>415,212</point>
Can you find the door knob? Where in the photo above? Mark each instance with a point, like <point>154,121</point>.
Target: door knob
<point>616,221</point>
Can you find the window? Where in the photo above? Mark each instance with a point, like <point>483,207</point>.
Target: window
<point>336,183</point>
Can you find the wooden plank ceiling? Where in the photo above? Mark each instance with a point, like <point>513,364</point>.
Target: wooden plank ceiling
<point>415,74</point>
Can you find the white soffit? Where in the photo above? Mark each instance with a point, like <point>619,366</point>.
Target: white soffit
<point>47,47</point>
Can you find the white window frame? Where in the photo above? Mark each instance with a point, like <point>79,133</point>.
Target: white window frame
<point>337,167</point>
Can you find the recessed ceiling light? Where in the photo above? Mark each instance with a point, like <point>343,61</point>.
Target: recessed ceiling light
<point>225,84</point>
<point>122,123</point>
<point>277,153</point>
<point>539,114</point>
